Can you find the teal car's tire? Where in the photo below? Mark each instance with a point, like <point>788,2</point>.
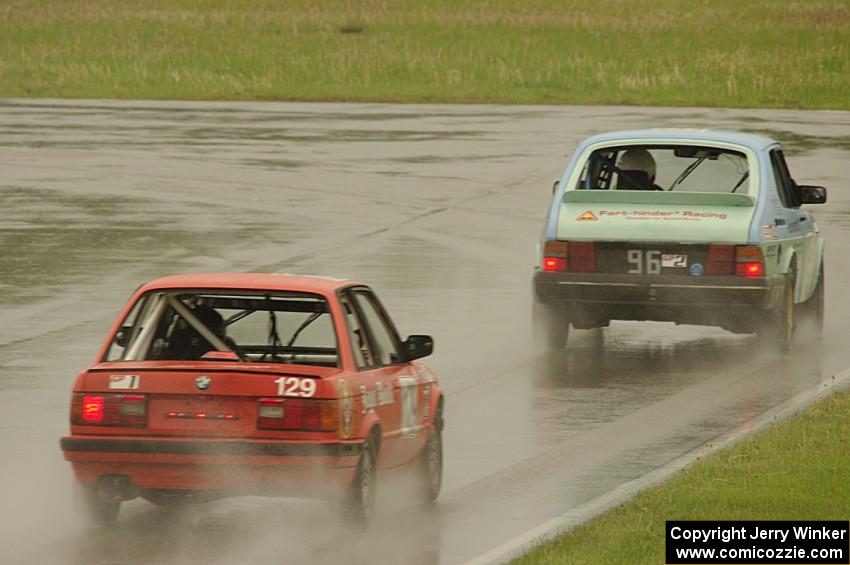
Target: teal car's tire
<point>812,310</point>
<point>551,327</point>
<point>780,324</point>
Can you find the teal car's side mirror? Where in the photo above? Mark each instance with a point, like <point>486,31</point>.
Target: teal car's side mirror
<point>812,194</point>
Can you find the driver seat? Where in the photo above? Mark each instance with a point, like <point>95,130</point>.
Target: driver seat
<point>633,180</point>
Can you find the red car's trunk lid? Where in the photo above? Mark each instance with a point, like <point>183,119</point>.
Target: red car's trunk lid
<point>213,401</point>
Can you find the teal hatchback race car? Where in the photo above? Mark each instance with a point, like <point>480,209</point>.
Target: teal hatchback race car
<point>686,226</point>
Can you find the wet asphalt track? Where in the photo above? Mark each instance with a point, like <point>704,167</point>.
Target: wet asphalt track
<point>438,207</point>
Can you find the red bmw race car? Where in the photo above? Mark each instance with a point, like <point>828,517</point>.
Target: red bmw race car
<point>213,385</point>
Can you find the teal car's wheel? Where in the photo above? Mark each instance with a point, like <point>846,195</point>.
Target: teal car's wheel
<point>811,311</point>
<point>780,325</point>
<point>551,326</point>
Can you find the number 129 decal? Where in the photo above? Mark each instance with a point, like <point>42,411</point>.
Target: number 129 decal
<point>293,386</point>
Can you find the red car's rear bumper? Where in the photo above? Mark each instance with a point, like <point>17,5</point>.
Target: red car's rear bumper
<point>214,464</point>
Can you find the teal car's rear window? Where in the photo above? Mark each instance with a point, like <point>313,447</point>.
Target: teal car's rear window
<point>681,168</point>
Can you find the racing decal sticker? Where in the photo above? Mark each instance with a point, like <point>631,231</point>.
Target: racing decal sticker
<point>368,399</point>
<point>426,401</point>
<point>346,408</point>
<point>685,215</point>
<point>425,374</point>
<point>668,260</point>
<point>124,382</point>
<point>385,395</point>
<point>588,216</point>
<point>409,405</point>
<point>293,386</point>
<point>769,232</point>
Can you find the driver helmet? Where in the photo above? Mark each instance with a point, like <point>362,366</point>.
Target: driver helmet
<point>211,319</point>
<point>638,159</point>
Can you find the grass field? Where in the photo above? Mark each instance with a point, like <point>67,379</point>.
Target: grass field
<point>730,53</point>
<point>796,470</point>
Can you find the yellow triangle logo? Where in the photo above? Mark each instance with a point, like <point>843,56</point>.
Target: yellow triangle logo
<point>587,216</point>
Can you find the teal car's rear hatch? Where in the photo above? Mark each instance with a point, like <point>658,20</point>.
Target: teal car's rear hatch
<point>655,216</point>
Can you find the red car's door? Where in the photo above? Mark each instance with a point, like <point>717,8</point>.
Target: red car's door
<point>377,350</point>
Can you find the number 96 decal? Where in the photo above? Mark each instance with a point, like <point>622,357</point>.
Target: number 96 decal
<point>293,386</point>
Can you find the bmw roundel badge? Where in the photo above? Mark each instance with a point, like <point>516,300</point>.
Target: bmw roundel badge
<point>696,269</point>
<point>203,382</point>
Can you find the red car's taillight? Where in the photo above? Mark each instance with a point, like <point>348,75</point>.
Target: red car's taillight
<point>92,409</point>
<point>129,410</point>
<point>308,414</point>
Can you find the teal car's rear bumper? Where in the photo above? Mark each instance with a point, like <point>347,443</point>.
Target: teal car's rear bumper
<point>593,299</point>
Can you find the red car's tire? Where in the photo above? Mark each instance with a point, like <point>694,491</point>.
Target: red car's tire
<point>359,500</point>
<point>98,509</point>
<point>430,464</point>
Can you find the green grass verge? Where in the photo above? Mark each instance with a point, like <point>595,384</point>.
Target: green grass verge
<point>729,53</point>
<point>796,470</point>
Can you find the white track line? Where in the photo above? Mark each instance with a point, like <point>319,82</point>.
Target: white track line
<point>572,518</point>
